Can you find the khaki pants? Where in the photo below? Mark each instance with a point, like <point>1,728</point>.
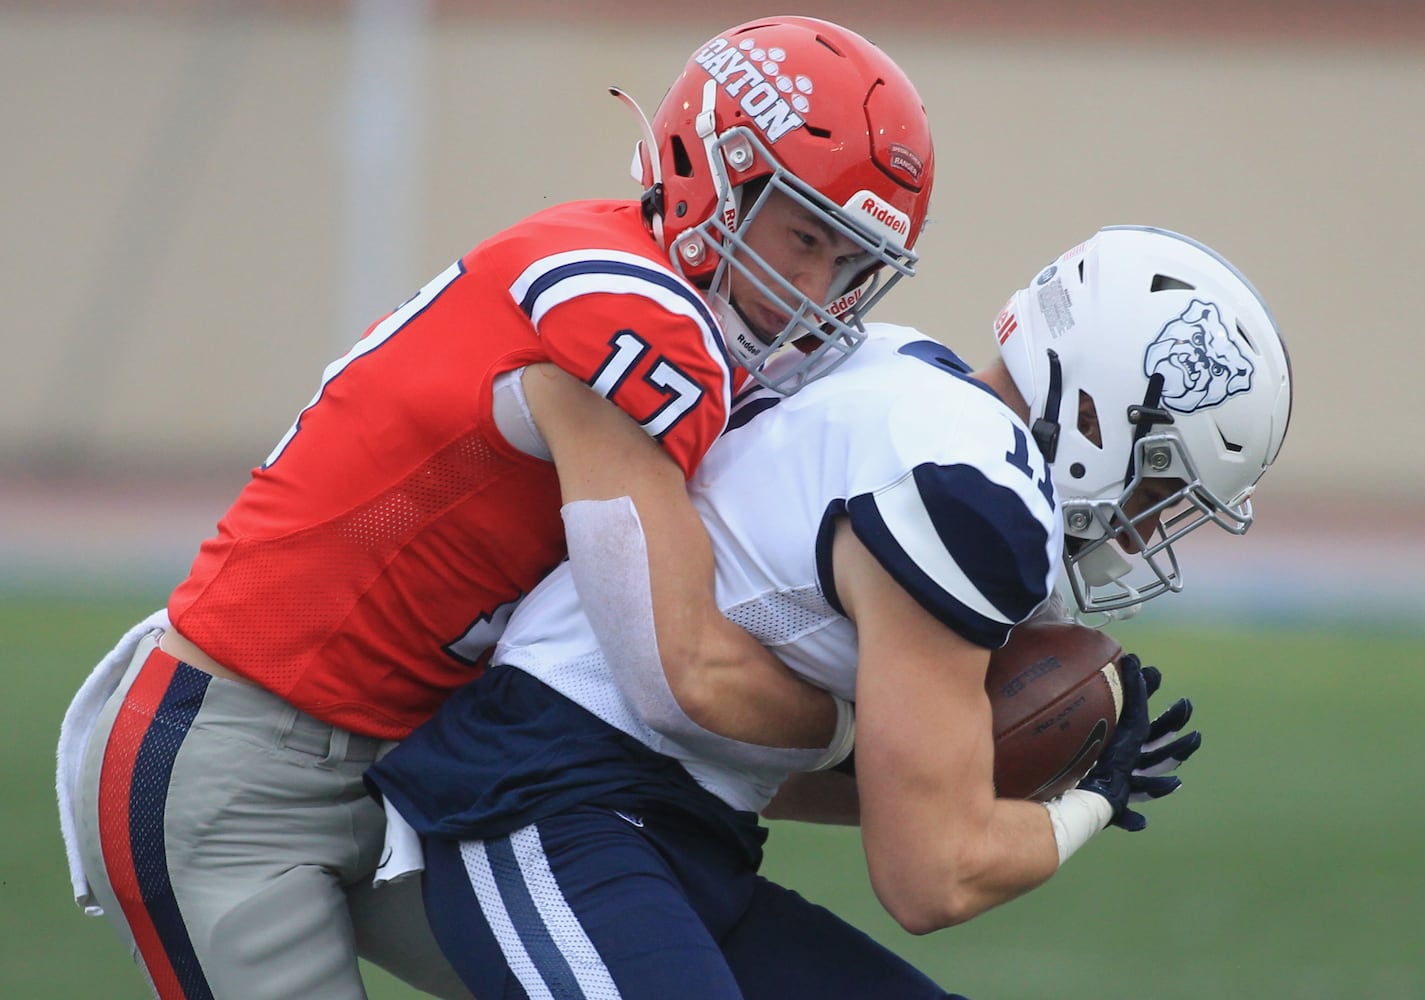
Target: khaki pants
<point>231,841</point>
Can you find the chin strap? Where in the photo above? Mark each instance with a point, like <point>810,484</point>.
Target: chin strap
<point>1143,416</point>
<point>1046,428</point>
<point>727,194</point>
<point>706,127</point>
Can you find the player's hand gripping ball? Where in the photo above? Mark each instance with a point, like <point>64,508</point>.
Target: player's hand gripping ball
<point>1056,694</point>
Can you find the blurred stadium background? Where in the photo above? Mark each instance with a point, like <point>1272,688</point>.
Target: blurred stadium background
<point>205,202</point>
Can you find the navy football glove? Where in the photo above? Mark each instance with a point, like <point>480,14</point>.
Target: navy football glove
<point>1138,762</point>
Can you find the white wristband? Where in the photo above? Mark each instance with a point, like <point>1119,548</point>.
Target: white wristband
<point>843,740</point>
<point>1076,816</point>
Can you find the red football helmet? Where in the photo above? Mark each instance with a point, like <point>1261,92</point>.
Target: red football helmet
<point>812,111</point>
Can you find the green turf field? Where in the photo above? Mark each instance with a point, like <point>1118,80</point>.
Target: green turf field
<point>1289,866</point>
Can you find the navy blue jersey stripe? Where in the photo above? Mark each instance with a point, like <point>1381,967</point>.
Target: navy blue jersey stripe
<point>1006,546</point>
<point>148,795</point>
<point>650,274</point>
<point>934,353</point>
<point>873,533</point>
<point>825,570</point>
<point>744,413</point>
<point>538,942</point>
<point>988,532</point>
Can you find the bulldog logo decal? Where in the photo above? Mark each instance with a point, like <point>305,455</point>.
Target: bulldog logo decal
<point>1200,363</point>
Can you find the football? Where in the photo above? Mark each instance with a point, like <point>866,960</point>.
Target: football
<point>1056,694</point>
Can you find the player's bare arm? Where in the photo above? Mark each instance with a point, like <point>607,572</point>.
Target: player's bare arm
<point>723,679</point>
<point>940,846</point>
<point>817,797</point>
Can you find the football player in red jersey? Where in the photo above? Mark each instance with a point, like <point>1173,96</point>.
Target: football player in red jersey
<point>369,565</point>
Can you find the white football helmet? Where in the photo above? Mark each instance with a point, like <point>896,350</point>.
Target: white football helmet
<point>1158,388</point>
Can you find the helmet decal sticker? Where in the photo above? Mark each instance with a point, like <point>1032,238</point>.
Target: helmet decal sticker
<point>1054,303</point>
<point>774,102</point>
<point>1005,322</point>
<point>1200,363</point>
<point>905,159</point>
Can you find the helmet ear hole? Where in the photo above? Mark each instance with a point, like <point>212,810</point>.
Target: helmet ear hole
<point>1088,420</point>
<point>682,162</point>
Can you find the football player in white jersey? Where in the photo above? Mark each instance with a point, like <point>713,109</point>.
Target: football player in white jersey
<point>882,532</point>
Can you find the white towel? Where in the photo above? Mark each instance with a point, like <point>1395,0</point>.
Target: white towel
<point>402,856</point>
<point>74,733</point>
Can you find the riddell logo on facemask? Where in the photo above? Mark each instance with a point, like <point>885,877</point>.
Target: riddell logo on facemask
<point>751,346</point>
<point>884,216</point>
<point>844,304</point>
<point>753,76</point>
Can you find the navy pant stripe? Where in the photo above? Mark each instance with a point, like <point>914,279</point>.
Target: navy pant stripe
<point>528,922</point>
<point>148,794</point>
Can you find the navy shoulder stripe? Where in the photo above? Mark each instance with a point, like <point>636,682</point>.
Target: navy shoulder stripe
<point>968,550</point>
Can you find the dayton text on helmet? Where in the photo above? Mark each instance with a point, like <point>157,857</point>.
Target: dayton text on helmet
<point>761,101</point>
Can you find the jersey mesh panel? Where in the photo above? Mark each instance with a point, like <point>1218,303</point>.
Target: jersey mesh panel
<point>783,617</point>
<point>584,680</point>
<point>356,548</point>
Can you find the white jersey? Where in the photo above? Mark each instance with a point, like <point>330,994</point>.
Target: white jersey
<point>938,478</point>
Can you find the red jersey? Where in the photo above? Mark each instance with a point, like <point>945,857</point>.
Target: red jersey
<point>369,565</point>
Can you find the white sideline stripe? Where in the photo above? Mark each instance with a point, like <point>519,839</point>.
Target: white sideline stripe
<point>564,927</point>
<point>477,869</point>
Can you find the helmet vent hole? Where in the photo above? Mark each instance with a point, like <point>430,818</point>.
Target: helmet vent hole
<point>1077,470</point>
<point>1088,420</point>
<point>1245,336</point>
<point>820,133</point>
<point>682,163</point>
<point>1164,283</point>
